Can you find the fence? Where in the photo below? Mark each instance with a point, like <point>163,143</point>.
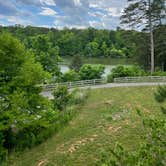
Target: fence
<point>83,83</point>
<point>140,79</point>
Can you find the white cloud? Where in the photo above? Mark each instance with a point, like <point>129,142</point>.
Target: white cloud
<point>77,3</point>
<point>48,2</point>
<point>113,11</point>
<point>15,20</point>
<point>48,12</point>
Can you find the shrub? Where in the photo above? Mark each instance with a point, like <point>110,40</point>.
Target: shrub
<point>79,96</point>
<point>88,72</point>
<point>61,97</point>
<point>123,71</point>
<point>70,76</point>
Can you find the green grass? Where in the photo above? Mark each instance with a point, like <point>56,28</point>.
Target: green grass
<point>107,117</point>
<point>104,61</point>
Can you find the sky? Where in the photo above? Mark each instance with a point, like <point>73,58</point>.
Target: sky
<point>100,14</point>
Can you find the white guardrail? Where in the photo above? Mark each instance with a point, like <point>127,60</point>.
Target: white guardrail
<point>140,79</point>
<point>50,87</point>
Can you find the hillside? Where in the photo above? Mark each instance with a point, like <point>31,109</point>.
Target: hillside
<point>108,116</point>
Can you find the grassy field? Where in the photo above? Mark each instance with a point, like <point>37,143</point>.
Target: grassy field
<point>104,61</point>
<point>107,117</point>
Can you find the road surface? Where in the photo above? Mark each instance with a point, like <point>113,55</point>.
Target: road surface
<point>110,85</point>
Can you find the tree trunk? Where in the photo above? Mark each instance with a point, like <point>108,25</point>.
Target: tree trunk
<point>151,38</point>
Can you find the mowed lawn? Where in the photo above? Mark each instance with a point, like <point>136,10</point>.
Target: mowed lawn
<point>109,116</point>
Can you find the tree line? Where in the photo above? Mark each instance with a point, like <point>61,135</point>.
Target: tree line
<point>49,44</point>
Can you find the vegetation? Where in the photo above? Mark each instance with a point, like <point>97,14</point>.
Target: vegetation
<point>124,71</point>
<point>70,76</point>
<point>146,13</point>
<point>152,148</point>
<point>131,71</point>
<point>47,44</point>
<point>27,118</point>
<point>76,63</point>
<point>30,56</point>
<point>88,72</point>
<point>106,117</point>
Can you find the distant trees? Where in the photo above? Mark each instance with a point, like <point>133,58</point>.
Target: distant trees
<point>50,44</point>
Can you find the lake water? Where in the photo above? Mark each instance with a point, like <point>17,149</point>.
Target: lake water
<point>108,68</point>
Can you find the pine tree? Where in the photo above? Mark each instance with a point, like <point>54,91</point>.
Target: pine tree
<point>145,13</point>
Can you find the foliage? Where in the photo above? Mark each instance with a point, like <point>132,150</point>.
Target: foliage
<point>150,153</point>
<point>149,15</point>
<point>25,114</point>
<point>160,96</point>
<point>70,76</point>
<point>92,49</point>
<point>116,53</point>
<point>88,72</point>
<point>123,71</point>
<point>91,129</point>
<point>79,96</point>
<point>61,97</point>
<point>76,63</point>
<point>48,44</point>
<point>46,53</point>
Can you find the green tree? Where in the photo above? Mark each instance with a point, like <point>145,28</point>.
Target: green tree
<point>46,54</point>
<point>92,49</point>
<point>61,97</point>
<point>76,63</point>
<point>21,105</point>
<point>144,12</point>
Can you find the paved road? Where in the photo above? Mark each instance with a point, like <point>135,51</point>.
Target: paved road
<point>110,85</point>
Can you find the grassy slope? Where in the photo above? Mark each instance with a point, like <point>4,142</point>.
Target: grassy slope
<point>92,130</point>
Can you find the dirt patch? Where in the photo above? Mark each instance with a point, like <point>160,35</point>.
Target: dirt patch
<point>113,129</point>
<point>42,163</point>
<point>108,102</point>
<point>76,145</point>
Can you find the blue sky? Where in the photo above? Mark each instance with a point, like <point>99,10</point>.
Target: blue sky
<point>102,14</point>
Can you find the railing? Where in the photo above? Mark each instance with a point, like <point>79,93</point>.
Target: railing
<point>83,83</point>
<point>140,79</point>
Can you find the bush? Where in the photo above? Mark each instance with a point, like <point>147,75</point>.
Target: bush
<point>70,76</point>
<point>123,71</point>
<point>88,72</point>
<point>79,96</point>
<point>159,73</point>
<point>61,97</point>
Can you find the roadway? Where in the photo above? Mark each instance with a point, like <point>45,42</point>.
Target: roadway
<point>109,85</point>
